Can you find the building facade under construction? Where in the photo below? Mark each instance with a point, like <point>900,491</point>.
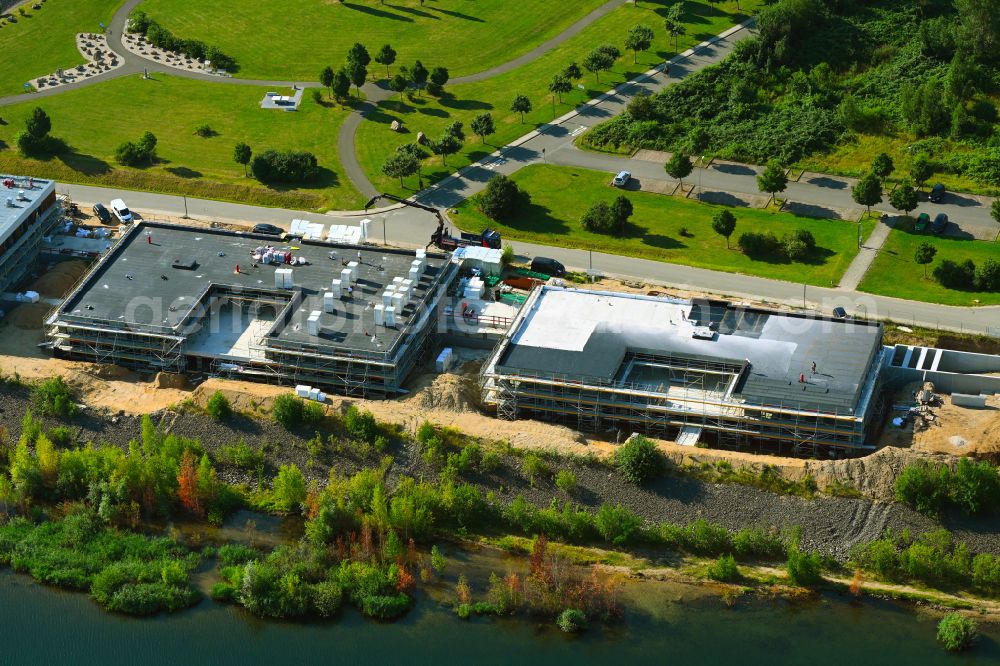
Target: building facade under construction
<point>348,318</point>
<point>685,370</point>
<point>29,211</point>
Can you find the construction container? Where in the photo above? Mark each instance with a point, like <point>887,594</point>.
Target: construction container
<point>387,297</point>
<point>365,224</point>
<point>444,360</point>
<point>345,277</point>
<point>399,301</point>
<point>302,390</point>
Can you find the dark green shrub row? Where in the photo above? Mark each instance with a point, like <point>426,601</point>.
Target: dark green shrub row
<point>973,487</point>
<point>162,38</point>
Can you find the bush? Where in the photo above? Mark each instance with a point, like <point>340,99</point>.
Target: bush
<point>289,487</point>
<point>360,424</point>
<point>53,397</point>
<point>973,487</point>
<point>572,621</point>
<point>242,455</point>
<point>326,598</point>
<point>385,606</point>
<point>756,543</point>
<point>272,166</point>
<point>757,244</point>
<point>954,275</point>
<point>617,524</point>
<point>598,219</point>
<point>803,568</point>
<point>724,569</point>
<point>566,481</point>
<point>137,153</point>
<point>205,131</point>
<point>292,411</point>
<point>502,198</point>
<point>923,486</point>
<point>638,460</point>
<point>218,407</point>
<point>956,632</point>
<point>232,554</point>
<point>534,468</point>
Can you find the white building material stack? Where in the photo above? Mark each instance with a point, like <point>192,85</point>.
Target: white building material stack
<point>345,277</point>
<point>474,289</point>
<point>416,269</point>
<point>365,225</point>
<point>407,288</point>
<point>283,278</point>
<point>312,323</point>
<point>336,288</point>
<point>398,301</point>
<point>387,297</point>
<point>379,314</point>
<point>444,359</point>
<point>390,317</point>
<point>302,390</point>
<point>328,302</point>
<point>353,265</point>
<point>421,254</point>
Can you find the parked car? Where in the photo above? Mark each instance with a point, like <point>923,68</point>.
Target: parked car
<point>940,222</point>
<point>922,221</point>
<point>548,266</point>
<point>840,313</point>
<point>121,211</point>
<point>937,193</point>
<point>101,213</point>
<point>268,229</point>
<point>622,179</point>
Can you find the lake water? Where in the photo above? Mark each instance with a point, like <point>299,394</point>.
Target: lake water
<point>665,623</point>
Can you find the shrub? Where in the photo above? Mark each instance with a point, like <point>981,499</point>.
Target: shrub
<point>137,153</point>
<point>272,166</point>
<point>325,598</point>
<point>242,455</point>
<point>385,606</point>
<point>617,524</point>
<point>757,543</point>
<point>598,218</point>
<point>218,407</point>
<point>205,131</point>
<point>572,621</point>
<point>232,554</point>
<point>803,568</point>
<point>534,468</point>
<point>566,481</point>
<point>954,275</point>
<point>638,460</point>
<point>923,486</point>
<point>724,569</point>
<point>53,397</point>
<point>288,410</point>
<point>956,632</point>
<point>360,424</point>
<point>502,198</point>
<point>289,487</point>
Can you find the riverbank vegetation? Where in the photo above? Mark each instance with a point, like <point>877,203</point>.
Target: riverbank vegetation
<point>830,84</point>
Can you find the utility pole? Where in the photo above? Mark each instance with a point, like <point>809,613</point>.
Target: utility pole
<point>803,295</point>
<point>185,207</point>
<point>384,241</point>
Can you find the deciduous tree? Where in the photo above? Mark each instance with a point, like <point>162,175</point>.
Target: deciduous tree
<point>867,191</point>
<point>483,125</point>
<point>724,224</point>
<point>679,166</point>
<point>326,78</point>
<point>921,169</point>
<point>521,105</point>
<point>386,56</point>
<point>924,255</point>
<point>904,198</point>
<point>639,38</point>
<point>882,166</point>
<point>773,179</point>
<point>674,23</point>
<point>241,155</point>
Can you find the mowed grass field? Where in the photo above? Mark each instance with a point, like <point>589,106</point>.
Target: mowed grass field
<point>94,120</point>
<point>376,141</point>
<point>895,273</point>
<point>560,196</point>
<point>295,39</point>
<point>44,41</point>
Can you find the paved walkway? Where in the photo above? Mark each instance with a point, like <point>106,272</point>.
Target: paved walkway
<point>866,254</point>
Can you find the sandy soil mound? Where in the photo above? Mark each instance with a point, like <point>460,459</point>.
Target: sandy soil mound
<point>28,316</point>
<point>454,393</point>
<point>169,380</point>
<point>60,278</point>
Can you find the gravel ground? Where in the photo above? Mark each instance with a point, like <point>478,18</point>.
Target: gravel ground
<point>828,524</point>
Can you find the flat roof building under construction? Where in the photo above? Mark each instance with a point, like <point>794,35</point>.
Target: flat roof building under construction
<point>349,318</point>
<point>28,213</point>
<point>673,367</point>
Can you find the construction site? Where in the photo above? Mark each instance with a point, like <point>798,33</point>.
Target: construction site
<point>177,299</point>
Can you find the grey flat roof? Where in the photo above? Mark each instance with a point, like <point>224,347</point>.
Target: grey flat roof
<point>11,217</point>
<point>586,334</point>
<point>137,285</point>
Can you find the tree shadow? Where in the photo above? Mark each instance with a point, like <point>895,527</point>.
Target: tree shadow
<point>827,182</point>
<point>818,257</point>
<point>466,104</point>
<point>184,172</point>
<point>324,178</point>
<point>723,199</point>
<point>85,164</point>
<point>415,11</point>
<point>435,112</point>
<point>537,218</point>
<point>663,242</point>
<point>395,106</point>
<point>735,169</point>
<point>373,11</point>
<point>810,210</point>
<point>460,15</point>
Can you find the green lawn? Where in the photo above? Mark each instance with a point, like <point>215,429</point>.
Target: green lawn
<point>560,196</point>
<point>294,39</point>
<point>44,41</point>
<point>896,274</point>
<point>376,140</point>
<point>94,120</point>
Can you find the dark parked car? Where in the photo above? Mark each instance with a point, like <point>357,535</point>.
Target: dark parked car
<point>548,266</point>
<point>940,222</point>
<point>937,193</point>
<point>102,213</point>
<point>922,221</point>
<point>268,229</point>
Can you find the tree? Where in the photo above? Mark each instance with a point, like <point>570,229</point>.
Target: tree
<point>674,23</point>
<point>341,86</point>
<point>639,38</point>
<point>38,124</point>
<point>418,153</point>
<point>882,166</point>
<point>502,198</point>
<point>572,72</point>
<point>386,56</point>
<point>187,485</point>
<point>357,74</point>
<point>956,632</point>
<point>621,211</point>
<point>641,107</point>
<point>598,61</point>
<point>326,78</point>
<point>924,255</point>
<point>773,179</point>
<point>679,166</point>
<point>724,224</point>
<point>867,191</point>
<point>522,105</point>
<point>638,460</point>
<point>482,125</point>
<point>242,154</point>
<point>439,77</point>
<point>359,54</point>
<point>904,197</point>
<point>419,74</point>
<point>560,84</point>
<point>978,28</point>
<point>289,487</point>
<point>399,83</point>
<point>455,130</point>
<point>921,169</point>
<point>400,164</point>
<point>803,568</point>
<point>597,219</point>
<point>446,145</point>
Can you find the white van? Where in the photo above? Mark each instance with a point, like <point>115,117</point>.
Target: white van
<point>121,211</point>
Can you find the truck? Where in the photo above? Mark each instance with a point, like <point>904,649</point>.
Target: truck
<point>442,237</point>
